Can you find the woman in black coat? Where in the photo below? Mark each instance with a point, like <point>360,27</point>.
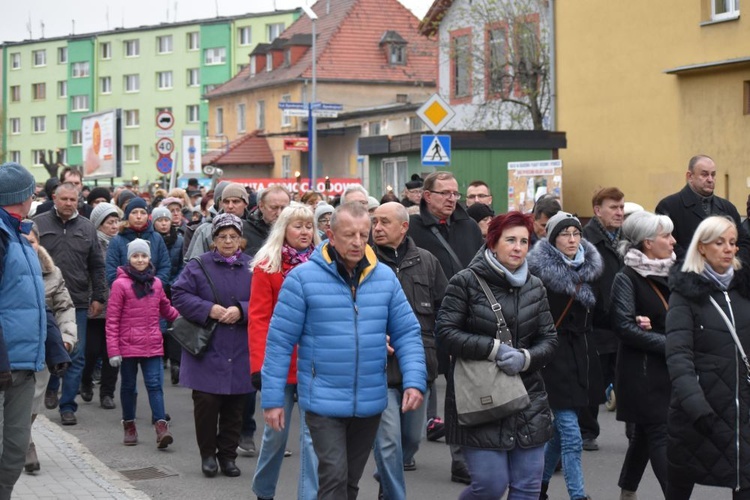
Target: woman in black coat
<point>709,408</point>
<point>640,298</point>
<point>466,327</point>
<point>569,267</point>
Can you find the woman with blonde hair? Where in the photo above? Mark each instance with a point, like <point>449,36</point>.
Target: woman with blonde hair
<point>708,334</point>
<point>290,243</point>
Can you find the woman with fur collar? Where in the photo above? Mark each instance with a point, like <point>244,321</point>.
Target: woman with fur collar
<point>569,267</point>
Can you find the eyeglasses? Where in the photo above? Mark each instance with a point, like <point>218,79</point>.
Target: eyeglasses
<point>478,196</point>
<point>324,220</point>
<point>574,234</point>
<point>228,237</point>
<point>447,194</point>
<point>415,191</point>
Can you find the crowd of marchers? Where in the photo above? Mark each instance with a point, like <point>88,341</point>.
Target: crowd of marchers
<point>350,308</point>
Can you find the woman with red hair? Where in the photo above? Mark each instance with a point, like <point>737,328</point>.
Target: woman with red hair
<point>507,454</point>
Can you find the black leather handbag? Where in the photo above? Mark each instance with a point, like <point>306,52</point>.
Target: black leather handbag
<point>195,337</point>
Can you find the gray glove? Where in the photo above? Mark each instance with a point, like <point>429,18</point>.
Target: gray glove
<point>115,361</point>
<point>511,362</point>
<point>504,349</point>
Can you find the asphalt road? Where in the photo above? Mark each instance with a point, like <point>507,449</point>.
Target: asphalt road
<point>101,432</point>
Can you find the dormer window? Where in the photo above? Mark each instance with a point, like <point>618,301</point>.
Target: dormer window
<point>398,54</point>
<point>394,47</point>
<point>288,57</point>
<point>269,63</point>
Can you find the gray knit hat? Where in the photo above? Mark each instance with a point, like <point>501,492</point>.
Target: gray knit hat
<point>16,184</point>
<point>139,245</point>
<point>225,220</point>
<point>160,213</point>
<point>560,221</point>
<point>101,211</point>
<point>235,190</point>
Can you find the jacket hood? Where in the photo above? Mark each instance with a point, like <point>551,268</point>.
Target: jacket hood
<point>547,264</point>
<point>697,288</point>
<point>320,256</point>
<point>45,260</point>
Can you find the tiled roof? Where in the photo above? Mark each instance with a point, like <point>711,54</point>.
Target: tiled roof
<point>348,48</point>
<point>250,149</point>
<point>435,14</point>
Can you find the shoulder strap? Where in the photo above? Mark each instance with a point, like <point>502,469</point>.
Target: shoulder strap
<point>658,292</point>
<point>503,333</point>
<point>567,307</point>
<point>210,281</point>
<point>447,246</point>
<point>733,331</point>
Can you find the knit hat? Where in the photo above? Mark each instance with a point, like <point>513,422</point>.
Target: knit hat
<point>172,199</point>
<point>139,245</point>
<point>321,210</point>
<point>372,202</point>
<point>478,211</point>
<point>235,190</point>
<point>560,221</point>
<point>160,213</point>
<point>16,184</point>
<point>225,220</point>
<point>135,203</point>
<point>415,182</point>
<point>219,189</point>
<point>124,197</point>
<point>101,212</point>
<point>96,193</point>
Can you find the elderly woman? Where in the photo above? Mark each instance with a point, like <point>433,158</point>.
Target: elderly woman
<point>290,243</point>
<point>569,267</point>
<point>323,214</point>
<point>466,327</point>
<point>640,297</point>
<point>708,424</point>
<point>220,378</point>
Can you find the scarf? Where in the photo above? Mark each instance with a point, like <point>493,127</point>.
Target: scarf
<point>722,280</point>
<point>139,229</point>
<point>231,259</point>
<point>170,237</point>
<point>516,278</point>
<point>143,281</point>
<point>578,259</point>
<point>291,257</point>
<point>644,266</point>
<point>104,238</point>
<point>613,237</point>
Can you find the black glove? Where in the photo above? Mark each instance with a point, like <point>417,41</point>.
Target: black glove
<point>6,380</point>
<point>705,424</point>
<point>255,379</point>
<point>60,369</point>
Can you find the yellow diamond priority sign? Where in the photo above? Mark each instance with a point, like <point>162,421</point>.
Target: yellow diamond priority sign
<point>436,113</point>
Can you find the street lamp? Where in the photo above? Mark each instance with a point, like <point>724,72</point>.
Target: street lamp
<point>312,136</point>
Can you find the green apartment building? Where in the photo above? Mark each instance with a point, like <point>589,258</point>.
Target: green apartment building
<point>49,85</point>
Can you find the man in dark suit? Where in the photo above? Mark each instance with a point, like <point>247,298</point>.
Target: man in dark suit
<point>696,201</point>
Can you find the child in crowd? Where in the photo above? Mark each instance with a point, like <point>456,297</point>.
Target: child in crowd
<point>136,301</point>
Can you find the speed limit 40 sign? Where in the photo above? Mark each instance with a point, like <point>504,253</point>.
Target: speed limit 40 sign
<point>165,146</point>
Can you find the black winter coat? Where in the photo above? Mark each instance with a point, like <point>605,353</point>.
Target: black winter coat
<point>566,377</point>
<point>466,327</point>
<point>256,231</point>
<point>641,380</point>
<point>708,380</point>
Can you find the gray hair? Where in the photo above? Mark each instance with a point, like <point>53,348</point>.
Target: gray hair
<point>356,210</point>
<point>640,226</point>
<point>65,186</point>
<point>262,193</point>
<point>707,232</point>
<point>695,159</point>
<point>352,189</point>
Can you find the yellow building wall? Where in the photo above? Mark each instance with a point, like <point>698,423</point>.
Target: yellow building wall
<point>631,125</point>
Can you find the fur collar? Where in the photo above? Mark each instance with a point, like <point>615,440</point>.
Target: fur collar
<point>45,261</point>
<point>697,288</point>
<point>547,264</point>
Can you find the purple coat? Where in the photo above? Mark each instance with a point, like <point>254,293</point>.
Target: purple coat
<point>225,366</point>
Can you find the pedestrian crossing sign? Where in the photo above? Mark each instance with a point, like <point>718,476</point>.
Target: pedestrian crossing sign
<point>436,150</point>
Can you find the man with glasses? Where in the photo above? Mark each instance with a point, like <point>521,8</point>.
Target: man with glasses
<point>478,192</point>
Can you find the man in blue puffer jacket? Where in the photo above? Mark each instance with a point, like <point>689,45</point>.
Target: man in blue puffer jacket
<point>343,310</point>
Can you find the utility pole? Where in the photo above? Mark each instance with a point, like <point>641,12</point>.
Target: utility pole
<point>312,135</point>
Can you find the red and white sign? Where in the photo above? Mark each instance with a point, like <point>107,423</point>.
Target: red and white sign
<point>164,120</point>
<point>338,184</point>
<point>295,144</point>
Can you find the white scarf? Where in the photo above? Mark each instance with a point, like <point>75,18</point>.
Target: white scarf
<point>648,267</point>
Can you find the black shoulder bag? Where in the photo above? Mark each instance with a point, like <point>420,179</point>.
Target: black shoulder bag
<point>195,337</point>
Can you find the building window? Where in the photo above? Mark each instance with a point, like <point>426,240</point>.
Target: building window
<point>15,93</point>
<point>461,66</point>
<point>62,55</point>
<point>80,69</point>
<point>37,157</point>
<point>105,50</point>
<point>240,118</point>
<point>209,88</point>
<point>286,166</point>
<point>219,121</point>
<point>62,88</point>
<point>39,57</point>
<point>15,156</point>
<point>415,124</point>
<point>15,60</point>
<point>164,44</point>
<point>725,9</point>
<point>374,128</point>
<point>288,57</point>
<point>193,77</point>
<point>193,113</point>
<point>80,103</point>
<point>15,126</point>
<point>105,85</point>
<point>217,55</point>
<point>260,115</point>
<point>132,83</point>
<point>240,67</point>
<point>62,123</point>
<point>132,48</point>
<point>76,138</point>
<point>274,30</point>
<point>286,120</point>
<point>398,54</point>
<point>164,80</point>
<point>38,124</point>
<point>498,79</point>
<point>393,172</point>
<point>131,154</point>
<point>269,62</point>
<point>193,40</point>
<point>38,91</point>
<point>63,155</point>
<point>132,118</point>
<point>244,36</point>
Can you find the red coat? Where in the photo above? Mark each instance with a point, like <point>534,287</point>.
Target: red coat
<point>133,323</point>
<point>265,293</point>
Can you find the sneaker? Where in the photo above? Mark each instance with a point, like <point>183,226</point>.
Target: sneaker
<point>247,446</point>
<point>410,466</point>
<point>590,444</point>
<point>68,418</point>
<point>107,402</point>
<point>435,429</point>
<point>287,453</point>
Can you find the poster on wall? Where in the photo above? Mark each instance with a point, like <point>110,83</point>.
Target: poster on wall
<point>337,185</point>
<point>191,153</point>
<point>528,180</point>
<point>100,139</point>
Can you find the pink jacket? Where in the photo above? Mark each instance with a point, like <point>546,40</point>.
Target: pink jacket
<point>132,323</point>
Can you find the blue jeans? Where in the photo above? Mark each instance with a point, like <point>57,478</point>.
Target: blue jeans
<point>398,437</point>
<point>492,472</point>
<point>72,377</point>
<point>153,378</point>
<point>566,442</point>
<point>271,455</point>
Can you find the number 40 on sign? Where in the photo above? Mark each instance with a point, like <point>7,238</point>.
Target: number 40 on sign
<point>165,146</point>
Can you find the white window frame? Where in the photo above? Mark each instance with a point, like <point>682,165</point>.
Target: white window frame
<point>397,54</point>
<point>76,138</point>
<point>244,36</point>
<point>81,69</point>
<point>269,62</point>
<point>132,48</point>
<point>79,103</point>
<point>194,40</point>
<point>164,80</point>
<point>63,155</point>
<point>732,10</point>
<point>62,55</point>
<point>215,56</point>
<point>15,93</point>
<point>286,120</point>
<point>62,123</point>
<point>15,156</point>
<point>286,166</point>
<point>260,115</point>
<point>15,126</point>
<point>105,51</point>
<point>35,90</point>
<point>38,124</point>
<point>208,88</point>
<point>132,118</point>
<point>274,30</point>
<point>15,60</point>
<point>241,118</point>
<point>39,58</point>
<point>36,157</point>
<point>132,83</point>
<point>105,85</point>
<point>193,113</point>
<point>219,121</point>
<point>62,89</point>
<point>131,153</point>
<point>164,44</point>
<point>393,172</point>
<point>193,77</point>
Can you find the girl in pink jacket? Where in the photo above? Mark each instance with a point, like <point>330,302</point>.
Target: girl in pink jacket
<point>136,301</point>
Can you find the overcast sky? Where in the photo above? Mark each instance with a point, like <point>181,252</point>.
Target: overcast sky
<point>18,16</point>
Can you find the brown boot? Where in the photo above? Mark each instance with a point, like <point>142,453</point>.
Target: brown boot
<point>32,461</point>
<point>163,437</point>
<point>131,434</point>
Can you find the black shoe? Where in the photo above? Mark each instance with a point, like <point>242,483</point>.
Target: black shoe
<point>87,393</point>
<point>229,468</point>
<point>68,418</point>
<point>590,444</point>
<point>108,403</point>
<point>410,466</point>
<point>175,373</point>
<point>51,400</point>
<point>460,474</point>
<point>209,467</point>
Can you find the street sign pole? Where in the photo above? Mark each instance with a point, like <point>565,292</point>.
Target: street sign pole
<point>312,120</point>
